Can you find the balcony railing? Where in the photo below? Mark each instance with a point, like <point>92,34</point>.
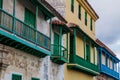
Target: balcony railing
<point>110,72</point>
<point>59,54</point>
<point>19,28</point>
<point>83,64</point>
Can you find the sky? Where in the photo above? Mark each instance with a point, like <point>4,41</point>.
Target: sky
<point>108,24</point>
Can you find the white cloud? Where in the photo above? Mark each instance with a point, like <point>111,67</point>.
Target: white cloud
<point>108,25</point>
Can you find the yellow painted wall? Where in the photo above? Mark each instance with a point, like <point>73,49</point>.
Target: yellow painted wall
<point>76,75</point>
<point>73,17</point>
<point>79,46</point>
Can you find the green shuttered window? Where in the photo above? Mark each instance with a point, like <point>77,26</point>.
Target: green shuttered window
<point>87,52</point>
<point>86,18</point>
<point>35,79</point>
<point>91,25</point>
<point>16,77</point>
<point>29,18</point>
<point>72,5</point>
<point>79,12</point>
<point>1,2</point>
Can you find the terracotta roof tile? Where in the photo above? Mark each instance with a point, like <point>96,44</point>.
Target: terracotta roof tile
<point>104,46</point>
<point>59,16</point>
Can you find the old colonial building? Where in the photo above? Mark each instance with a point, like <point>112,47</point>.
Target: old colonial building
<point>26,35</point>
<point>83,54</point>
<point>108,63</point>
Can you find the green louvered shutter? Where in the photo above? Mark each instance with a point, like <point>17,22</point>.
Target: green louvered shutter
<point>56,42</point>
<point>16,77</point>
<point>1,2</point>
<point>29,18</point>
<point>35,79</point>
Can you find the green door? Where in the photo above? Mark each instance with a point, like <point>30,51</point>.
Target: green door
<point>56,44</point>
<point>28,32</point>
<point>16,77</point>
<point>87,52</point>
<point>35,79</point>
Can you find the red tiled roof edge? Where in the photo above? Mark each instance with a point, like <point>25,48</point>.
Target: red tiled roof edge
<point>53,10</point>
<point>103,45</point>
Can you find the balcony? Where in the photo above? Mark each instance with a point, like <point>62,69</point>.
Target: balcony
<point>79,64</point>
<point>110,72</point>
<point>59,54</point>
<point>17,34</point>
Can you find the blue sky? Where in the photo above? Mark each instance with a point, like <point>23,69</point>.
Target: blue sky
<point>108,25</point>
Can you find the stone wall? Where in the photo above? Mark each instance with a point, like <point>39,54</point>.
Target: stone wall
<point>59,5</point>
<point>29,66</point>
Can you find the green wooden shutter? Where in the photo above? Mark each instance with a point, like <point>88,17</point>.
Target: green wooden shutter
<point>56,43</point>
<point>79,12</point>
<point>91,27</point>
<point>29,18</point>
<point>87,52</point>
<point>1,2</point>
<point>35,79</point>
<point>72,5</point>
<point>85,18</point>
<point>16,77</point>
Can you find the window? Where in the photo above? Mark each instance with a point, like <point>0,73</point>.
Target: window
<point>87,52</point>
<point>91,25</point>
<point>35,79</point>
<point>86,18</point>
<point>16,77</point>
<point>79,12</point>
<point>1,2</point>
<point>72,5</point>
<point>29,18</point>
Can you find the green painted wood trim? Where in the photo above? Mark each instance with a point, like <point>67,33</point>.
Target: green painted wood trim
<point>1,4</point>
<point>67,43</point>
<point>74,42</point>
<point>36,21</point>
<point>50,29</point>
<point>35,78</point>
<point>14,15</point>
<point>85,48</point>
<point>94,53</point>
<point>60,38</point>
<point>25,42</point>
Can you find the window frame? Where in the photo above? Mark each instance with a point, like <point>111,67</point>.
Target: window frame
<point>91,24</point>
<point>17,76</point>
<point>33,78</point>
<point>31,15</point>
<point>79,12</point>
<point>85,18</point>
<point>72,6</point>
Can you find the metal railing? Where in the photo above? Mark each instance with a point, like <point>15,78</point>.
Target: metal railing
<point>21,29</point>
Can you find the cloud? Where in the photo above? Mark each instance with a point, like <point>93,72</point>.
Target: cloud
<point>108,25</point>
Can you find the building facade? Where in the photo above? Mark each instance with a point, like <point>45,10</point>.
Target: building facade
<point>26,35</point>
<point>108,63</point>
<point>83,55</point>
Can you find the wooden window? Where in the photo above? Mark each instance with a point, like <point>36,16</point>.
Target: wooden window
<point>56,42</point>
<point>87,52</point>
<point>86,18</point>
<point>35,79</point>
<point>91,24</point>
<point>79,12</point>
<point>72,5</point>
<point>29,18</point>
<point>16,77</point>
<point>1,2</point>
